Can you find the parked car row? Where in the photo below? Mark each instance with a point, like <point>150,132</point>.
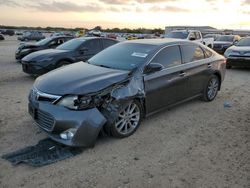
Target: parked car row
<point>235,49</point>
<point>74,50</point>
<point>192,35</point>
<point>115,84</point>
<point>51,42</point>
<point>31,36</point>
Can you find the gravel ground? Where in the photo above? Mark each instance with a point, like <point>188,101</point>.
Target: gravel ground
<point>195,144</point>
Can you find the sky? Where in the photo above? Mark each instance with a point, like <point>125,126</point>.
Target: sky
<point>221,14</point>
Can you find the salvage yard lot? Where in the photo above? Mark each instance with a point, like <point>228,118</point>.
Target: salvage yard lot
<point>195,144</point>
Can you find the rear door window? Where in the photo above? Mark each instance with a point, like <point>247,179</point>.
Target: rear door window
<point>168,57</point>
<point>106,43</point>
<point>93,46</point>
<point>192,53</point>
<point>208,53</point>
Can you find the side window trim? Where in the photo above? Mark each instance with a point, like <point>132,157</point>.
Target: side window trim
<point>182,56</point>
<point>164,68</point>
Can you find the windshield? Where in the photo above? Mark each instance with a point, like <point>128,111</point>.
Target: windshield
<point>71,44</point>
<point>225,38</point>
<point>123,56</point>
<point>44,41</point>
<point>177,35</point>
<point>244,42</point>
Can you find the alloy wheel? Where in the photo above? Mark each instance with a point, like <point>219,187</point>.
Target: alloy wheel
<point>213,87</point>
<point>128,119</point>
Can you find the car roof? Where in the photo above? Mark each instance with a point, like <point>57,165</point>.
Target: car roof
<point>61,36</point>
<point>185,30</point>
<point>160,42</point>
<point>90,38</point>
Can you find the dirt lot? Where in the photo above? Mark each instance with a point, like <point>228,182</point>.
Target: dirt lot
<point>195,144</point>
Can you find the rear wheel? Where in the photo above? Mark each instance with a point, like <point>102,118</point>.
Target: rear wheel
<point>128,120</point>
<point>211,88</point>
<point>228,66</point>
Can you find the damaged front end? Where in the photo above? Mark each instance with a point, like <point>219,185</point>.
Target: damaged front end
<point>76,120</point>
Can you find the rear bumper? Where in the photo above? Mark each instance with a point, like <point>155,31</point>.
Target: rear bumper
<point>240,62</point>
<point>56,119</point>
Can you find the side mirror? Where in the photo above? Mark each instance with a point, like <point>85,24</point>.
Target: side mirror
<point>152,67</point>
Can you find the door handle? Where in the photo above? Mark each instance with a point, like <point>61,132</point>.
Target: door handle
<point>209,65</point>
<point>182,74</point>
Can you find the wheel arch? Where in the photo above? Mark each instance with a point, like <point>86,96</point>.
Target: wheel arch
<point>141,100</point>
<point>216,73</point>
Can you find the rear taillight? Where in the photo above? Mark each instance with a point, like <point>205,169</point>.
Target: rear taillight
<point>224,61</point>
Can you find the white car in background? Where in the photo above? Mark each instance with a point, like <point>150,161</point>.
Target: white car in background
<point>193,35</point>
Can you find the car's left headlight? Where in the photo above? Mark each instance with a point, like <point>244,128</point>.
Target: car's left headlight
<point>75,102</point>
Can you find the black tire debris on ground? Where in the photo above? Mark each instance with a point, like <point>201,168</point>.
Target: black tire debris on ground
<point>45,152</point>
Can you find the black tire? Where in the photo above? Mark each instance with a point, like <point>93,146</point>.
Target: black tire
<point>228,66</point>
<point>211,89</point>
<point>114,128</point>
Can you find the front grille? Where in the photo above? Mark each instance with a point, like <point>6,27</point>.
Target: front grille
<point>44,120</point>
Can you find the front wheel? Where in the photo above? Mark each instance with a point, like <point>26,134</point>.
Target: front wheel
<point>211,88</point>
<point>128,120</point>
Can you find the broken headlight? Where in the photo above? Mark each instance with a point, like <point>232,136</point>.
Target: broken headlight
<point>74,102</point>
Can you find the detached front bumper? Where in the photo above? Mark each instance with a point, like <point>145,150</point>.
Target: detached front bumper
<point>56,119</point>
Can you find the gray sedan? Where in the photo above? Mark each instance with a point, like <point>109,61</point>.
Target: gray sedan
<point>121,85</point>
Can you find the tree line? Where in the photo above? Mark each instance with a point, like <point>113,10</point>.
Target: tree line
<point>112,30</point>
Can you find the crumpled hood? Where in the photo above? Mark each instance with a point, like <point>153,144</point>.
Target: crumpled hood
<point>42,54</point>
<point>79,78</point>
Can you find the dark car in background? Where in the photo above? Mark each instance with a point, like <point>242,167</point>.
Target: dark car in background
<point>1,37</point>
<point>8,32</point>
<point>223,42</point>
<point>239,54</point>
<point>34,35</point>
<point>121,85</point>
<point>51,42</point>
<point>75,50</point>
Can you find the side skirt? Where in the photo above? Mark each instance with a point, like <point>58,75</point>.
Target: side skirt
<point>172,105</point>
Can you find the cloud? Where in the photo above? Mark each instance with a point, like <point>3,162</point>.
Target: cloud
<point>168,9</point>
<point>246,2</point>
<point>9,3</point>
<point>116,2</point>
<point>66,6</point>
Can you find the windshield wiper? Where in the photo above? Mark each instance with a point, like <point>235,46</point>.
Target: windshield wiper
<point>105,66</point>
